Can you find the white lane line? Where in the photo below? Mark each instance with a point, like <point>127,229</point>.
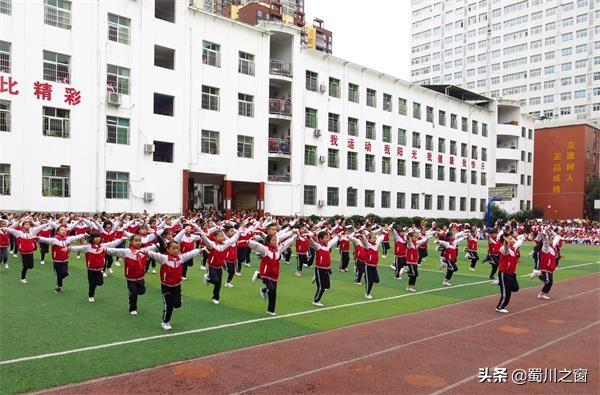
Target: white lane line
<point>240,323</point>
<point>509,361</point>
<point>404,345</point>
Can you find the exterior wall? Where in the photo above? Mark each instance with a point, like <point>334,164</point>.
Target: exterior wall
<point>445,34</point>
<point>567,161</point>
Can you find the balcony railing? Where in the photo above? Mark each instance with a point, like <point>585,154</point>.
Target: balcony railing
<point>279,146</point>
<point>280,107</point>
<point>280,177</point>
<point>283,69</point>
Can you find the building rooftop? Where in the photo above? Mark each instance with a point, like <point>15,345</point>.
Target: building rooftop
<point>459,93</point>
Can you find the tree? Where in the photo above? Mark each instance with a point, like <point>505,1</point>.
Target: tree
<point>592,195</point>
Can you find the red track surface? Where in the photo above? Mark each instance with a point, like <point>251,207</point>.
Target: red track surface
<point>435,350</point>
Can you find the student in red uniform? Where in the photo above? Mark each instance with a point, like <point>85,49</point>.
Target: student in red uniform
<point>4,243</point>
<point>547,264</point>
<point>187,242</point>
<point>399,251</point>
<point>243,251</point>
<point>26,239</point>
<point>450,246</point>
<point>171,265</point>
<point>494,244</point>
<point>61,251</point>
<point>472,249</point>
<point>230,256</point>
<point>269,266</point>
<point>385,244</point>
<point>135,269</point>
<point>80,228</point>
<point>216,258</point>
<point>44,247</point>
<point>302,250</point>
<point>507,266</point>
<point>359,256</point>
<point>413,242</point>
<point>371,248</point>
<point>107,233</point>
<point>322,264</point>
<point>344,247</point>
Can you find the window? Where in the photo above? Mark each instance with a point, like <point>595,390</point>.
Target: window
<point>371,97</point>
<point>369,198</point>
<point>333,196</point>
<point>352,161</point>
<point>4,179</point>
<point>245,105</point>
<point>165,10</point>
<point>473,152</point>
<point>484,154</point>
<point>473,177</point>
<point>245,146</point>
<point>417,110</point>
<point>56,181</point>
<point>310,195</point>
<point>56,122</point>
<point>452,147</point>
<point>416,140</point>
<point>453,121</point>
<point>312,81</point>
<point>57,67</point>
<point>483,178</point>
<point>334,87</point>
<point>401,167</point>
<point>441,173</point>
<point>209,143</point>
<point>416,170</point>
<point>386,198</point>
<point>463,176</point>
<point>211,53</point>
<point>5,7</point>
<point>442,118</point>
<point>428,202</point>
<point>310,155</point>
<point>369,163</point>
<point>429,142</point>
<point>117,130</point>
<point>386,165</point>
<point>117,185</point>
<point>5,117</point>
<point>463,150</point>
<point>164,104</point>
<point>401,136</point>
<point>452,176</point>
<point>484,130</point>
<point>164,57</point>
<point>5,57</point>
<point>464,124</point>
<point>474,127</point>
<point>387,102</point>
<point>414,201</point>
<point>371,132</point>
<point>118,28</point>
<point>400,200</point>
<point>429,171</point>
<point>310,118</point>
<point>210,98</point>
<point>333,123</point>
<point>351,197</point>
<point>353,94</point>
<point>528,180</point>
<point>333,158</point>
<point>463,204</point>
<point>401,106</point>
<point>440,202</point>
<point>429,114</point>
<point>352,126</point>
<point>163,152</point>
<point>482,205</point>
<point>57,13</point>
<point>117,79</point>
<point>452,203</point>
<point>387,134</point>
<point>246,63</point>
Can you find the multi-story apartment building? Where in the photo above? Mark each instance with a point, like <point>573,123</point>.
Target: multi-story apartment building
<point>159,106</point>
<point>542,53</point>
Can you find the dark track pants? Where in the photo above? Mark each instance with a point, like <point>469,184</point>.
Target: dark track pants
<point>399,263</point>
<point>413,273</point>
<point>215,277</point>
<point>95,279</point>
<point>345,260</point>
<point>136,288</point>
<point>548,279</point>
<point>27,263</point>
<point>450,269</point>
<point>359,270</point>
<point>508,284</point>
<point>61,269</point>
<point>371,277</point>
<point>322,282</point>
<point>171,300</point>
<point>271,289</point>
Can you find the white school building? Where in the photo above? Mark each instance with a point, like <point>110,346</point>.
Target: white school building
<point>161,106</point>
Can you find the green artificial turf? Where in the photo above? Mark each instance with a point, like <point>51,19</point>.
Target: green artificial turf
<point>35,321</point>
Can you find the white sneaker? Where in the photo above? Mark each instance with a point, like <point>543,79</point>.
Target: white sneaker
<point>15,256</point>
<point>110,270</point>
<point>104,274</point>
<point>247,264</point>
<point>471,269</point>
<point>392,267</point>
<point>228,285</point>
<point>117,263</point>
<point>271,313</point>
<point>318,304</point>
<point>134,312</point>
<point>360,283</point>
<point>410,289</point>
<point>42,263</point>
<point>495,282</point>
<point>215,301</point>
<point>78,256</point>
<point>368,296</point>
<point>23,281</point>
<point>384,256</point>
<point>202,267</point>
<point>446,283</point>
<point>503,311</point>
<point>205,278</point>
<point>535,273</point>
<point>183,278</point>
<point>398,278</point>
<point>166,326</point>
<point>153,271</point>
<point>91,300</point>
<point>255,277</point>
<point>263,295</point>
<point>542,295</point>
<point>305,265</point>
<point>238,273</point>
<point>466,256</point>
<point>443,265</point>
<point>402,272</point>
<point>6,266</point>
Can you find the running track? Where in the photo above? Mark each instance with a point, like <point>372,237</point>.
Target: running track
<point>435,351</point>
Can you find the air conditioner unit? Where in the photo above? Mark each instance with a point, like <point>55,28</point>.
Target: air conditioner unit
<point>322,159</point>
<point>114,98</point>
<point>321,203</point>
<point>148,196</point>
<point>148,148</point>
<point>317,132</point>
<point>323,88</point>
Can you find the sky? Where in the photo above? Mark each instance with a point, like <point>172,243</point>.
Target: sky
<point>376,36</point>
